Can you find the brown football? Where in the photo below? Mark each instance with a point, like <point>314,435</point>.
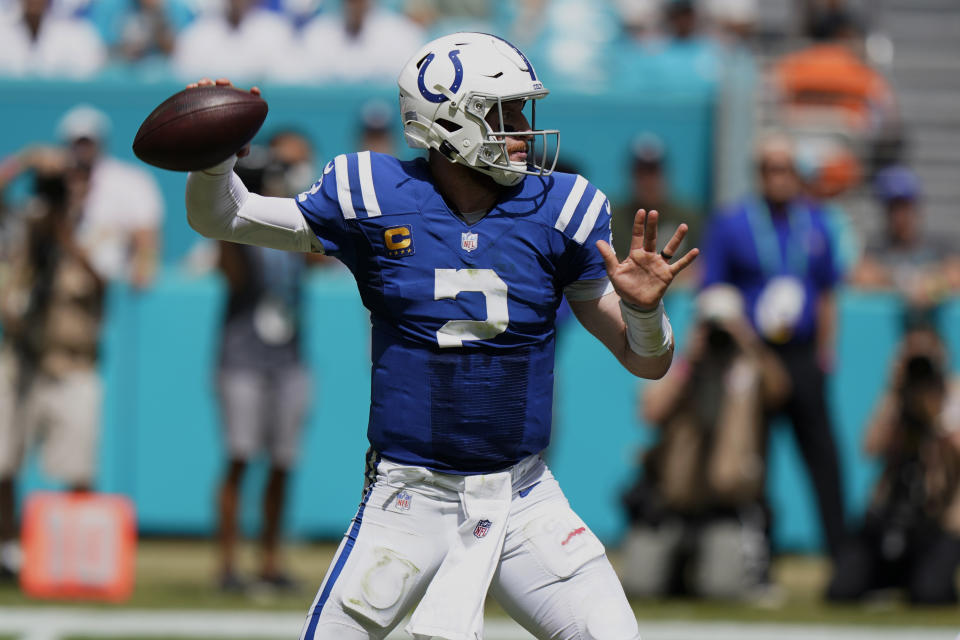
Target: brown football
<point>198,128</point>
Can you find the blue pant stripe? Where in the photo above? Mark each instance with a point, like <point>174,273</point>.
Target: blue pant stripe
<point>338,566</point>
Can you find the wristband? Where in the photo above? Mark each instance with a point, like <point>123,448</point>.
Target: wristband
<point>638,308</point>
<point>648,332</point>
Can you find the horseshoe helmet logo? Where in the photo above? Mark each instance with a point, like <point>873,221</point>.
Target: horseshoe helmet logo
<point>457,78</point>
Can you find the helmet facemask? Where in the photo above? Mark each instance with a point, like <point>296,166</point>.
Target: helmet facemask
<point>543,146</point>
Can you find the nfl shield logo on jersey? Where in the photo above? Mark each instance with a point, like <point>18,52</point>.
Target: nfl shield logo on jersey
<point>480,531</point>
<point>468,241</point>
<point>403,501</point>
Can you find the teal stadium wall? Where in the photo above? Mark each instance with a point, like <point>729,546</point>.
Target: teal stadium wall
<point>161,441</point>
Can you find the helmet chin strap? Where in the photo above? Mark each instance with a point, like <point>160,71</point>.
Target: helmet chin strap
<point>502,176</point>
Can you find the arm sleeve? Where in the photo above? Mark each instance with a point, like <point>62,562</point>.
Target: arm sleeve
<point>220,207</point>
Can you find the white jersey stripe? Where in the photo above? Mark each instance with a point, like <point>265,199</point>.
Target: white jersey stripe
<point>571,203</point>
<point>343,187</point>
<point>590,217</point>
<point>366,185</point>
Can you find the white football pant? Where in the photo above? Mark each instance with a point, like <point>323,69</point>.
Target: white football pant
<point>553,576</point>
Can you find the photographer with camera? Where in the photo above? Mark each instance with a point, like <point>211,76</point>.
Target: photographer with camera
<point>698,524</point>
<point>51,303</point>
<point>910,536</point>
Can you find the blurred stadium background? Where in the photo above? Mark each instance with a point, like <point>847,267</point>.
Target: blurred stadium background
<point>615,71</point>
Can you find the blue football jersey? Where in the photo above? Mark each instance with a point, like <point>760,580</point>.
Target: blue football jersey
<point>462,314</point>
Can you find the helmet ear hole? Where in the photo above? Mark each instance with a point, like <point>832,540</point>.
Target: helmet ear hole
<point>449,125</point>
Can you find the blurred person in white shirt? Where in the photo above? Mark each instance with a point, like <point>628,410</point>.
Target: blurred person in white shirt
<point>242,40</point>
<point>122,209</point>
<point>37,41</point>
<point>362,43</point>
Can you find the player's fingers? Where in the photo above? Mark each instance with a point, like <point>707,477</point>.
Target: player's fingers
<point>684,261</point>
<point>223,82</point>
<point>608,255</point>
<point>650,231</point>
<point>673,244</point>
<point>255,90</point>
<point>636,237</point>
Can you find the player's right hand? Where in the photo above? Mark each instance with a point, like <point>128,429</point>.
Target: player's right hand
<point>224,82</point>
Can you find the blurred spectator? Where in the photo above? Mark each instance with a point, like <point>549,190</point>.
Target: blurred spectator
<point>242,41</point>
<point>734,20</point>
<point>121,208</point>
<point>263,385</point>
<point>682,56</point>
<point>376,128</point>
<point>697,522</point>
<point>822,18</point>
<point>638,18</point>
<point>775,247</point>
<point>910,536</point>
<point>140,30</point>
<point>681,19</point>
<point>300,11</point>
<point>449,16</point>
<point>571,39</point>
<point>36,41</point>
<point>362,43</point>
<point>146,31</point>
<point>923,269</point>
<point>650,189</point>
<point>829,81</point>
<point>51,304</point>
<point>828,169</point>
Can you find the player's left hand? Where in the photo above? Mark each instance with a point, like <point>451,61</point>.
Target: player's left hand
<point>644,275</point>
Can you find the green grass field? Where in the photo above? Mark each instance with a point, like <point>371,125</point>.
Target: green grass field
<point>180,574</point>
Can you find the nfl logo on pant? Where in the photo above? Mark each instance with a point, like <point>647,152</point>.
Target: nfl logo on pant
<point>482,528</point>
<point>403,501</point>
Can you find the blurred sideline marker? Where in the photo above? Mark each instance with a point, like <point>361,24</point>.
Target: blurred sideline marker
<point>78,546</point>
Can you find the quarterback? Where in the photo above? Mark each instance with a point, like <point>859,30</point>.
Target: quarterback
<point>462,259</point>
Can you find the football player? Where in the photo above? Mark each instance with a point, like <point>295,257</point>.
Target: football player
<point>462,259</point>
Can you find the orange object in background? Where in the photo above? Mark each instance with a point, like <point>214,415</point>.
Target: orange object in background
<point>78,546</point>
<point>831,75</point>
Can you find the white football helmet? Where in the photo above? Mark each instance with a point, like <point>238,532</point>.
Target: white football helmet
<point>448,88</point>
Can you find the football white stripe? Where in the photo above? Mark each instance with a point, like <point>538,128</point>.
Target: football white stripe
<point>343,187</point>
<point>590,217</point>
<point>571,204</point>
<point>367,191</point>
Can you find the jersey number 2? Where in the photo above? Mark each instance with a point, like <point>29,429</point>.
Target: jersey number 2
<point>450,282</point>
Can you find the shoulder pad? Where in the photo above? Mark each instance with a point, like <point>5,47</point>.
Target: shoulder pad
<point>575,206</point>
<point>367,185</point>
